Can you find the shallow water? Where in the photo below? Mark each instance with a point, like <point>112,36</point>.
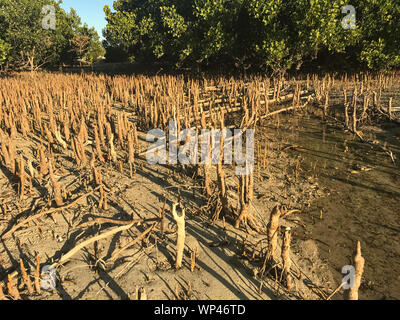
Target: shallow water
<point>363,203</point>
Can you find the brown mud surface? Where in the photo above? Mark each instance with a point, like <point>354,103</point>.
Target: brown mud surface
<point>364,199</point>
<point>345,190</point>
<point>224,267</point>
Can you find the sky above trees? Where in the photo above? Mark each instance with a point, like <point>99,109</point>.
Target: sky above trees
<point>90,11</point>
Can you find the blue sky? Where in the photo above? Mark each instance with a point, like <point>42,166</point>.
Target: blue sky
<point>90,11</point>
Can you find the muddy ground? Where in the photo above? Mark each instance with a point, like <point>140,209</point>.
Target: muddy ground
<point>228,259</point>
<point>346,190</point>
<point>364,199</point>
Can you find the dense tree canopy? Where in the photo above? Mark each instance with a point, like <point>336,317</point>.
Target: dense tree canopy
<point>379,44</point>
<point>27,41</point>
<point>273,34</point>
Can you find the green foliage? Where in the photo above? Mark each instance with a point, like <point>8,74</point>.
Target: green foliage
<point>93,50</point>
<point>380,43</point>
<point>174,32</point>
<point>271,34</point>
<point>30,45</point>
<point>4,49</point>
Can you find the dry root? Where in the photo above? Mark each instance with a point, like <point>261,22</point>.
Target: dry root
<point>12,290</point>
<point>56,187</point>
<point>37,276</point>
<point>2,296</point>
<point>25,277</point>
<point>272,233</point>
<point>180,243</point>
<point>359,262</point>
<point>287,262</point>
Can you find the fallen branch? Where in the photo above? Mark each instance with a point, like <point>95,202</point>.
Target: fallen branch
<point>384,149</point>
<point>286,109</point>
<point>41,214</point>
<point>131,243</point>
<point>237,106</point>
<point>80,246</point>
<point>118,222</point>
<point>288,213</point>
<point>397,121</point>
<point>336,290</point>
